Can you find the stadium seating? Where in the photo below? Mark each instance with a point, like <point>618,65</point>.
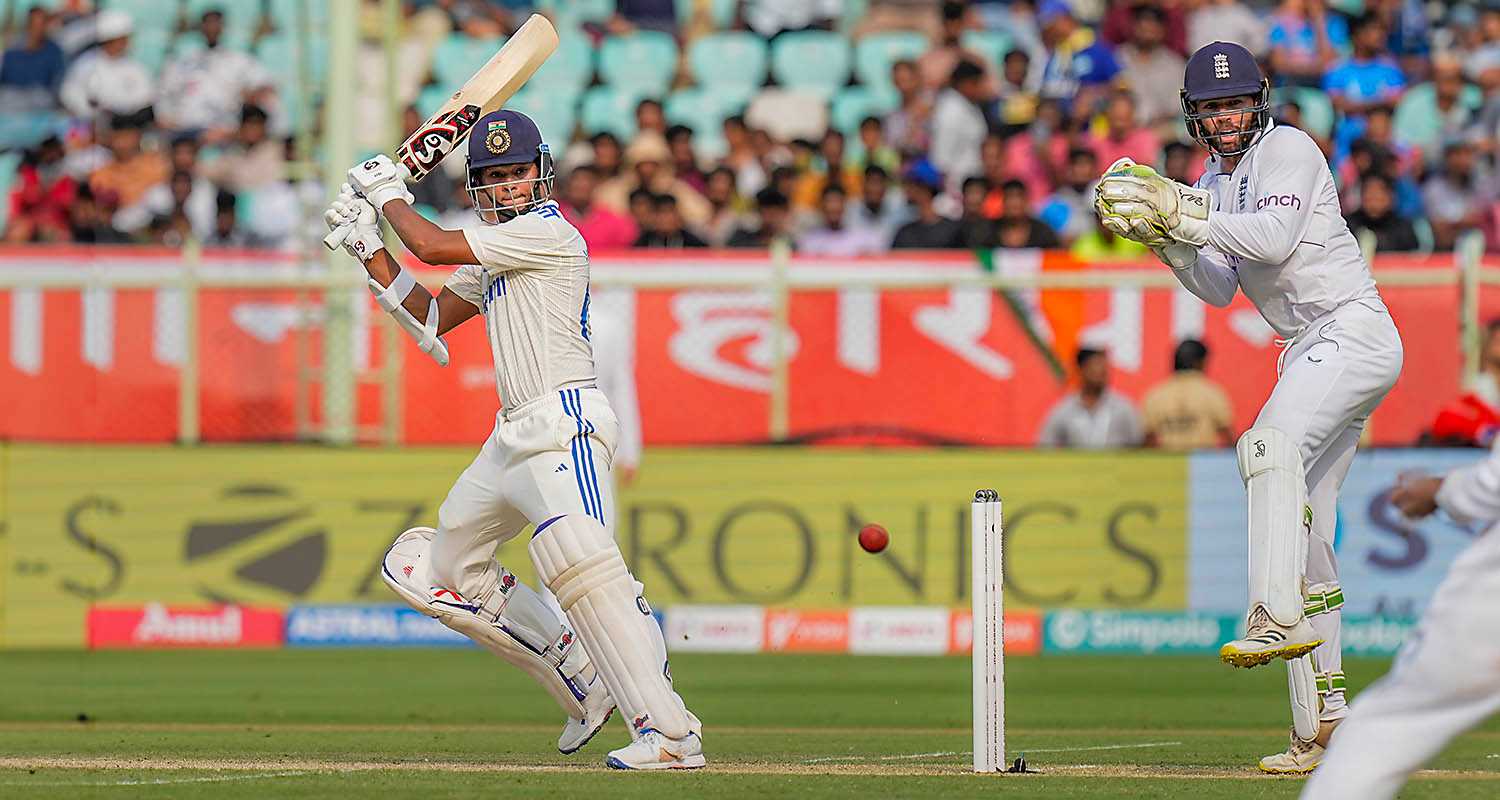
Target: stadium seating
<point>1317,109</point>
<point>609,108</point>
<point>459,56</point>
<point>576,12</point>
<point>734,60</point>
<point>704,109</point>
<point>9,163</point>
<point>553,113</point>
<point>875,54</point>
<point>644,61</point>
<point>149,45</point>
<point>993,45</point>
<point>853,103</point>
<point>1415,121</point>
<point>570,68</point>
<point>813,62</point>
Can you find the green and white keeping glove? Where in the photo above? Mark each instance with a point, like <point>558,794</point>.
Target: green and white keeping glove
<point>1136,202</point>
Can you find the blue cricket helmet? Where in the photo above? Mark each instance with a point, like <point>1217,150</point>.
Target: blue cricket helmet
<point>1216,71</point>
<point>508,137</point>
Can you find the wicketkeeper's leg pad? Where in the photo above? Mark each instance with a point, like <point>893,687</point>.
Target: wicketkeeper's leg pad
<point>579,561</point>
<point>1271,466</point>
<point>512,623</point>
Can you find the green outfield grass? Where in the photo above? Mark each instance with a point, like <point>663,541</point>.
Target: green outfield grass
<point>351,723</point>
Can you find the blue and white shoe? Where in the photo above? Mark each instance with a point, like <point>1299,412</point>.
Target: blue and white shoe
<point>577,732</point>
<point>653,750</point>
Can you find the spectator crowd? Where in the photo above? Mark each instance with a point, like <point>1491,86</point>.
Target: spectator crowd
<point>988,133</point>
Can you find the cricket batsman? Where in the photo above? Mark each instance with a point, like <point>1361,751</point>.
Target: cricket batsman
<point>1446,679</point>
<point>1264,219</point>
<point>547,463</point>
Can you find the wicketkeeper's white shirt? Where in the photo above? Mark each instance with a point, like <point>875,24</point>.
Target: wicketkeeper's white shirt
<point>532,283</point>
<point>1276,231</point>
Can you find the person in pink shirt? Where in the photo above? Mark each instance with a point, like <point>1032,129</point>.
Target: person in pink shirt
<point>1125,138</point>
<point>602,228</point>
<point>1037,156</point>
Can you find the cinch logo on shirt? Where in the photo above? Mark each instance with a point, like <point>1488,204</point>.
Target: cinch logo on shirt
<point>1283,200</point>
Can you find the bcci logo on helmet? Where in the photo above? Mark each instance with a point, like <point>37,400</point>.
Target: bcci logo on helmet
<point>497,138</point>
<point>1221,66</point>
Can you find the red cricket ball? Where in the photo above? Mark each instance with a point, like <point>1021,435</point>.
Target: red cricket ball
<point>873,538</point>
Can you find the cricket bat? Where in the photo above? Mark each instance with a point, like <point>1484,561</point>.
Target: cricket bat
<point>486,90</point>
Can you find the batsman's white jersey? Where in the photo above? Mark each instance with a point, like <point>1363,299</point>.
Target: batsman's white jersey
<point>1446,679</point>
<point>1276,232</point>
<point>555,436</point>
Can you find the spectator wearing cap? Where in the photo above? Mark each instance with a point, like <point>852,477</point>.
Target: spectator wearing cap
<point>666,228</point>
<point>204,90</point>
<point>878,207</point>
<point>958,124</point>
<point>32,69</point>
<point>252,160</point>
<point>1153,71</point>
<point>1118,27</point>
<point>830,236</point>
<point>1458,197</point>
<point>132,169</point>
<point>1305,41</point>
<point>1226,21</point>
<point>1124,136</point>
<point>775,212</point>
<point>40,197</point>
<point>929,230</point>
<point>602,228</point>
<point>1377,217</point>
<point>1079,65</point>
<point>1094,417</point>
<point>1070,209</point>
<point>1017,227</point>
<point>906,128</point>
<point>106,80</point>
<point>648,165</point>
<point>1188,411</point>
<point>1366,79</point>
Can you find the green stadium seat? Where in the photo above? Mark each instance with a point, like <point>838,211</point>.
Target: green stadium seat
<point>431,99</point>
<point>875,54</point>
<point>1317,109</point>
<point>610,108</point>
<point>147,14</point>
<point>644,61</point>
<point>1416,120</point>
<point>571,67</point>
<point>811,61</point>
<point>458,57</point>
<point>9,164</point>
<point>282,55</point>
<point>287,14</point>
<point>853,103</point>
<point>150,47</point>
<point>734,59</point>
<point>553,112</point>
<point>993,45</point>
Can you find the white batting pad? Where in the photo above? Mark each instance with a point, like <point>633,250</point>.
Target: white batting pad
<point>1271,467</point>
<point>1303,690</point>
<point>579,561</point>
<point>556,665</point>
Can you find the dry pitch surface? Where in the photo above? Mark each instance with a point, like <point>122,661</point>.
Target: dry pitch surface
<point>313,723</point>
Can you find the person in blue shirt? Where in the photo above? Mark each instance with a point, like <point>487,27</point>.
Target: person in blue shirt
<point>1305,41</point>
<point>1364,81</point>
<point>1079,65</point>
<point>31,71</point>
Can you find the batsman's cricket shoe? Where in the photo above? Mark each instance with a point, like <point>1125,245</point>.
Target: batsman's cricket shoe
<point>653,750</point>
<point>577,732</point>
<point>1302,757</point>
<point>1265,641</point>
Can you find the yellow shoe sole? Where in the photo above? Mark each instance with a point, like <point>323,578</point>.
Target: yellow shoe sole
<point>1295,771</point>
<point>1231,655</point>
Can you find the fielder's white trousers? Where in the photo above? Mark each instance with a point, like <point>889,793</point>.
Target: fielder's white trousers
<point>1332,376</point>
<point>1445,680</point>
<point>545,458</point>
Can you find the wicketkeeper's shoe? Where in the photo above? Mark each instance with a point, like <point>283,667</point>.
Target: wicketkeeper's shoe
<point>1300,758</point>
<point>1265,641</point>
<point>577,732</point>
<point>653,750</point>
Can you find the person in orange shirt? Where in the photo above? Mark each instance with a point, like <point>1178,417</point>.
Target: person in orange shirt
<point>132,169</point>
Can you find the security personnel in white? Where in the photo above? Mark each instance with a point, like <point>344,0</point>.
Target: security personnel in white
<point>1264,219</point>
<point>548,461</point>
<point>1447,678</point>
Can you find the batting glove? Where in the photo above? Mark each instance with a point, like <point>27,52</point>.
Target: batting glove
<point>379,181</point>
<point>349,209</point>
<point>1153,207</point>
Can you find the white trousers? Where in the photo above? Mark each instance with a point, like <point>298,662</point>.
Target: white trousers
<point>1332,377</point>
<point>1445,681</point>
<point>544,459</point>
